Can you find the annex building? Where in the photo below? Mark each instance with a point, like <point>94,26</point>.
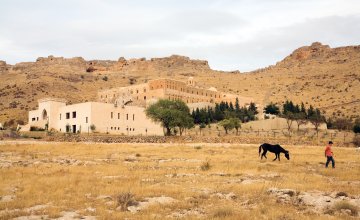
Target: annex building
<point>122,110</point>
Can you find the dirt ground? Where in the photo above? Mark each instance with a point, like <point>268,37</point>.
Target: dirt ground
<point>60,180</point>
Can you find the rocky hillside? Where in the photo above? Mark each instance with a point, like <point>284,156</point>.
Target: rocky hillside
<point>325,77</point>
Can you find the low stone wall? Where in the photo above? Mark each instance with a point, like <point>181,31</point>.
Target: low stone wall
<point>180,139</point>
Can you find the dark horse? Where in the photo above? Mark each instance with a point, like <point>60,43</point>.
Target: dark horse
<point>277,149</point>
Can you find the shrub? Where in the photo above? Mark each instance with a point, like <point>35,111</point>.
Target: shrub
<point>124,200</point>
<point>223,212</point>
<point>33,128</point>
<point>356,141</point>
<point>346,205</point>
<point>205,165</point>
<point>356,128</point>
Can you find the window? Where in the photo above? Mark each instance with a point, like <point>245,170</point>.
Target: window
<point>133,117</point>
<point>111,128</point>
<point>33,119</point>
<point>118,115</point>
<point>86,119</point>
<point>127,116</point>
<point>67,115</point>
<point>118,128</point>
<point>137,91</point>
<point>144,97</point>
<point>112,114</point>
<point>144,90</point>
<point>60,116</point>
<point>37,118</point>
<point>73,114</point>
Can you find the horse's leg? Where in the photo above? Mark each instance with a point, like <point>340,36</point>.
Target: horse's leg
<point>279,157</point>
<point>275,157</point>
<point>264,154</point>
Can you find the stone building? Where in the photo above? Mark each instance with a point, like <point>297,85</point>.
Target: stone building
<point>84,117</point>
<point>147,93</point>
<point>122,110</point>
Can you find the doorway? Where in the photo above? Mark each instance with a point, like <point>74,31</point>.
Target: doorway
<point>74,128</point>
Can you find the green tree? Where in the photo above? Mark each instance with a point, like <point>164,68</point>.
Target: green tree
<point>227,125</point>
<point>300,119</point>
<point>316,119</point>
<point>272,109</point>
<point>236,123</point>
<point>253,108</point>
<point>170,114</point>
<point>356,127</point>
<point>183,121</point>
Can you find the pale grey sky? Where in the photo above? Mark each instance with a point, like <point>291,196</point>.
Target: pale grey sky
<point>230,34</point>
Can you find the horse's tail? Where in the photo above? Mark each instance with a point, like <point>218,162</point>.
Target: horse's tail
<point>260,150</point>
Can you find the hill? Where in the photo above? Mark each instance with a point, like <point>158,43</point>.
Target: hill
<point>319,75</point>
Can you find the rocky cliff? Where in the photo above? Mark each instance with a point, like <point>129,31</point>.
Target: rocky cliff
<point>319,75</point>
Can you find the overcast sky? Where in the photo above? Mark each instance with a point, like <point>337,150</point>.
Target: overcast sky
<point>231,34</point>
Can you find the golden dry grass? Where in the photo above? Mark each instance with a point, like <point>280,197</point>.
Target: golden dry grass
<point>172,170</point>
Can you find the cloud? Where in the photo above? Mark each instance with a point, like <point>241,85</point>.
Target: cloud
<point>230,34</point>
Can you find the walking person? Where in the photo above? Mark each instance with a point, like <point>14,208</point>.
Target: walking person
<point>329,155</point>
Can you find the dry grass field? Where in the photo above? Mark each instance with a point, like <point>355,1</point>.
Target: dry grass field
<point>43,180</point>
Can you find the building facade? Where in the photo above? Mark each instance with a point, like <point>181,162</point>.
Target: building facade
<point>147,93</point>
<point>92,117</point>
<point>122,110</point>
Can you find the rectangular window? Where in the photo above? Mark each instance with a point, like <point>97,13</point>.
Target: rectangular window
<point>118,115</point>
<point>144,97</point>
<point>127,116</point>
<point>60,116</point>
<point>86,119</point>
<point>67,115</point>
<point>133,117</point>
<point>112,114</point>
<point>73,114</point>
<point>37,118</point>
<point>33,119</point>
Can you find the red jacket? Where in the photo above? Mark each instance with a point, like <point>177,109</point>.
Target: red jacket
<point>328,151</point>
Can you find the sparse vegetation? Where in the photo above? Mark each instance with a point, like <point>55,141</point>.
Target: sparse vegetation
<point>110,185</point>
<point>205,166</point>
<point>124,200</point>
<point>223,212</point>
<point>344,205</point>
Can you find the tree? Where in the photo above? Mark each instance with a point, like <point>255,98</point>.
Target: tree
<point>170,114</point>
<point>342,124</point>
<point>272,109</point>
<point>316,119</point>
<point>202,126</point>
<point>290,117</point>
<point>183,121</point>
<point>227,125</point>
<point>236,123</point>
<point>300,119</point>
<point>356,127</point>
<point>92,127</point>
<point>253,108</point>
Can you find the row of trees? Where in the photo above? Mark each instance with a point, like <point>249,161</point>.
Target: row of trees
<point>302,115</point>
<point>175,115</point>
<point>297,113</point>
<point>224,110</point>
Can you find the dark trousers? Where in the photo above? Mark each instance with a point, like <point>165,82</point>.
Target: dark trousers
<point>330,158</point>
